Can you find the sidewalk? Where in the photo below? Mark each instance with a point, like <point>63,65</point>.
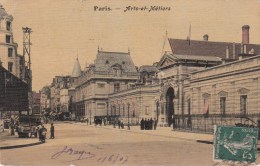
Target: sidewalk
<point>8,141</point>
<point>162,132</point>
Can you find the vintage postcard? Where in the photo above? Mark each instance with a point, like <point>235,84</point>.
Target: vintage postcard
<point>130,82</point>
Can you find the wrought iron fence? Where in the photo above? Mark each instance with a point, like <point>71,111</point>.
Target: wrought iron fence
<point>205,123</point>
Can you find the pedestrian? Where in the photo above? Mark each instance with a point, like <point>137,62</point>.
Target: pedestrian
<point>87,121</point>
<point>122,124</point>
<point>114,123</point>
<point>155,123</point>
<point>151,124</point>
<point>105,121</point>
<point>119,123</point>
<point>142,124</point>
<point>12,126</point>
<point>173,123</point>
<point>145,124</point>
<point>52,131</point>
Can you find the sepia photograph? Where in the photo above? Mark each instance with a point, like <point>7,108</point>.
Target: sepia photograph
<point>130,82</point>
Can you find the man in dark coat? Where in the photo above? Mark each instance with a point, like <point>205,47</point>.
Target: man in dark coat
<point>52,131</point>
<point>155,123</point>
<point>142,124</point>
<point>151,124</point>
<point>145,124</point>
<point>119,123</point>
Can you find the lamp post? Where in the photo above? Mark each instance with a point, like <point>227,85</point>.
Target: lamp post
<point>90,117</point>
<point>128,125</point>
<point>107,115</point>
<point>157,110</point>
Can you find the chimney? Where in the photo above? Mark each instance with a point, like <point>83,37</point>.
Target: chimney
<point>227,52</point>
<point>245,34</point>
<point>206,37</point>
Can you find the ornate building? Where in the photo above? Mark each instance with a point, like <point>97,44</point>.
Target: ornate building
<point>111,72</point>
<point>203,78</point>
<point>195,86</point>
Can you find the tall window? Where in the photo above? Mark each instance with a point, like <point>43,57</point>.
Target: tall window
<point>243,104</point>
<point>206,102</point>
<point>10,66</point>
<point>133,112</point>
<point>116,87</point>
<point>10,52</point>
<point>188,106</point>
<point>206,106</point>
<point>147,110</point>
<point>8,39</point>
<point>223,105</point>
<point>8,25</point>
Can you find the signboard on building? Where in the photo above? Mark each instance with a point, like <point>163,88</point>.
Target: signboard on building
<point>235,143</point>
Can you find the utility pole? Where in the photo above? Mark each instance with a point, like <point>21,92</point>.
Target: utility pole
<point>128,124</point>
<point>27,71</point>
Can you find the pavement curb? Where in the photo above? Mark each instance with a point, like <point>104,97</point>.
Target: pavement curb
<point>158,135</point>
<point>20,146</point>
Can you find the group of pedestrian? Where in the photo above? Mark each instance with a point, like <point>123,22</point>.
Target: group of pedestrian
<point>99,121</point>
<point>120,124</point>
<point>148,124</point>
<point>41,128</point>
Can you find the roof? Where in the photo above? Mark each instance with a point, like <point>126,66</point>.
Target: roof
<point>76,72</point>
<point>197,57</point>
<point>3,13</point>
<point>106,60</point>
<point>170,59</point>
<point>209,48</point>
<point>148,68</point>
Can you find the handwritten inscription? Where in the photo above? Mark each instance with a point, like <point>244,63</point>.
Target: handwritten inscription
<point>115,159</point>
<point>84,155</point>
<point>78,154</point>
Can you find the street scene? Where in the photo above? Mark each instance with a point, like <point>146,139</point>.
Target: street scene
<point>105,145</point>
<point>86,82</point>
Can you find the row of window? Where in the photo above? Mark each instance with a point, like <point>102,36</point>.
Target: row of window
<point>222,104</point>
<point>116,86</point>
<point>124,112</point>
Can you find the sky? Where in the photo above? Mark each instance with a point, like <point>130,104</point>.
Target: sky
<point>65,29</point>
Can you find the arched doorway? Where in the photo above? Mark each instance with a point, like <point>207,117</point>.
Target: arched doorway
<point>169,105</point>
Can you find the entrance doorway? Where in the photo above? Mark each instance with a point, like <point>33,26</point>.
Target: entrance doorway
<point>169,105</point>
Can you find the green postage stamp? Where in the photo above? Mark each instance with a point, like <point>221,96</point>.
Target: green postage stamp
<point>235,144</point>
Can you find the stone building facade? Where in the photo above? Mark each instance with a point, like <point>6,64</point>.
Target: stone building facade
<point>198,84</point>
<point>131,105</point>
<point>9,56</point>
<point>111,72</point>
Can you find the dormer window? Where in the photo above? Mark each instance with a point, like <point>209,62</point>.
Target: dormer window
<point>117,72</point>
<point>8,25</point>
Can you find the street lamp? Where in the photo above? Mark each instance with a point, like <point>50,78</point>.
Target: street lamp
<point>128,125</point>
<point>90,117</point>
<point>157,110</point>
